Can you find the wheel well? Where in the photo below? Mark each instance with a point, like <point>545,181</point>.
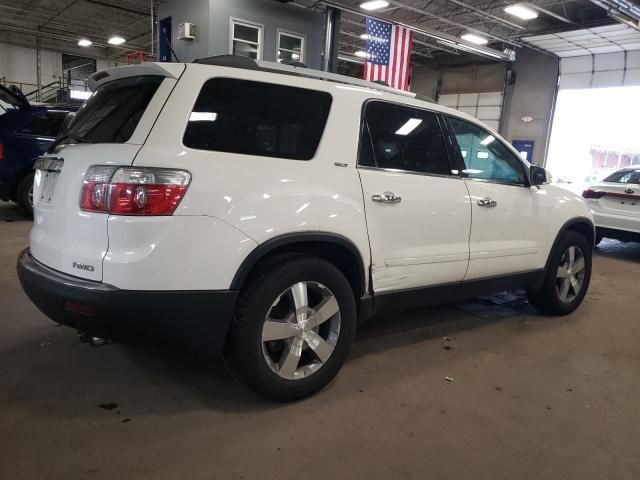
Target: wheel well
<point>581,226</point>
<point>344,258</point>
<point>585,229</point>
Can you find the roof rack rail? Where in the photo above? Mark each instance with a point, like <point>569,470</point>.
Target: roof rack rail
<point>235,61</point>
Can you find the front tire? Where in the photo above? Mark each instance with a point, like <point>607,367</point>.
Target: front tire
<point>293,327</point>
<point>567,278</point>
<point>24,195</point>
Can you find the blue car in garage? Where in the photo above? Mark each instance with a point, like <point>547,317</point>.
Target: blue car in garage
<point>26,131</point>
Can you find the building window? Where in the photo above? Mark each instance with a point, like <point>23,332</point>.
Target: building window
<point>290,47</point>
<point>246,39</point>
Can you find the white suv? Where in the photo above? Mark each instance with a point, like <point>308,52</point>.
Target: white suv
<point>260,210</point>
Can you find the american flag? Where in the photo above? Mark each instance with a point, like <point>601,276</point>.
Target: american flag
<point>388,53</point>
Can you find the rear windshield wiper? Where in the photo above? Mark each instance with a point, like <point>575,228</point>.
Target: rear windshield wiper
<point>66,137</point>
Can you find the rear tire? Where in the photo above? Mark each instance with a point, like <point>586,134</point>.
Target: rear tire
<point>567,279</point>
<point>293,327</point>
<point>24,194</point>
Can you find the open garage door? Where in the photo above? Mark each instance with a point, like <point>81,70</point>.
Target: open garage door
<point>595,125</point>
<point>606,70</point>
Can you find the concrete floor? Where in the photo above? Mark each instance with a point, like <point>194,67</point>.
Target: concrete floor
<point>531,397</point>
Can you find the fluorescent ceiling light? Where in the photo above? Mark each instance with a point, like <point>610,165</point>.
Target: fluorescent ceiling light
<point>361,54</point>
<point>488,140</point>
<point>116,40</point>
<point>521,11</point>
<point>374,5</point>
<point>409,126</point>
<point>203,117</point>
<point>79,94</point>
<point>477,39</point>
<point>84,42</point>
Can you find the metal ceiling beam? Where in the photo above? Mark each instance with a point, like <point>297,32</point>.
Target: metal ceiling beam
<point>622,11</point>
<point>58,13</point>
<point>440,38</point>
<point>353,35</point>
<point>68,25</point>
<point>63,37</point>
<point>454,23</point>
<point>477,11</point>
<point>550,13</point>
<point>118,8</point>
<point>416,41</point>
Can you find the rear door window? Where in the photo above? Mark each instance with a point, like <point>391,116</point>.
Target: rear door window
<point>112,113</point>
<point>398,137</point>
<point>255,118</point>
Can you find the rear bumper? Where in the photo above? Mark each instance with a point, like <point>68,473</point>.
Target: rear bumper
<point>197,319</point>
<point>612,221</point>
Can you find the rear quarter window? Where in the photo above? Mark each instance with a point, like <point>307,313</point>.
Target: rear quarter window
<point>256,118</point>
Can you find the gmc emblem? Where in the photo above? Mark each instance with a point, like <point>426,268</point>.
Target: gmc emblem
<point>83,266</point>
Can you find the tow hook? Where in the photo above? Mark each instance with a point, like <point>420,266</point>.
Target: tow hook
<point>92,340</point>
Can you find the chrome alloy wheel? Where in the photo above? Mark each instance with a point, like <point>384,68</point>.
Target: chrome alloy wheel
<point>301,330</point>
<point>570,274</point>
<point>30,196</point>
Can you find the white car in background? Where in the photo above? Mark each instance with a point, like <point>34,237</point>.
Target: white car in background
<point>615,204</point>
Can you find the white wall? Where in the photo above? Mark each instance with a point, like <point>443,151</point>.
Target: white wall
<point>18,65</point>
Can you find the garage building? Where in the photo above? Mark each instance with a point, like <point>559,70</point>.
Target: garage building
<point>480,387</point>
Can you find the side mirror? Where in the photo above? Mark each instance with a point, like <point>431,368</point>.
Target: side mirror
<point>539,176</point>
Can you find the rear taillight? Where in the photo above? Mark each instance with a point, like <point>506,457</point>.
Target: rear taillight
<point>1,151</point>
<point>592,194</point>
<point>133,191</point>
<point>93,196</point>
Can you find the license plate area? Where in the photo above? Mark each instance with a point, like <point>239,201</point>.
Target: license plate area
<point>625,205</point>
<point>43,193</point>
<point>47,171</point>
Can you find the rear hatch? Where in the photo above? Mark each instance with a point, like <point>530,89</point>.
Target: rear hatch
<point>14,97</point>
<point>109,129</point>
<point>11,100</point>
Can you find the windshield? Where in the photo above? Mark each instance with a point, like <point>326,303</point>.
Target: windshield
<point>624,176</point>
<point>112,113</point>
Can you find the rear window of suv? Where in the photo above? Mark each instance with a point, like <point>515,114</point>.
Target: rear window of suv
<point>112,113</point>
<point>255,118</point>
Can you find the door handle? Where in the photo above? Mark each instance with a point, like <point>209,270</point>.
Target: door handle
<point>387,197</point>
<point>487,202</point>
